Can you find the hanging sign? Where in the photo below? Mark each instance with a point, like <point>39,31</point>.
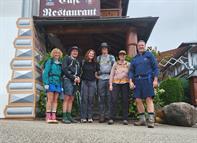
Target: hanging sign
<point>69,8</point>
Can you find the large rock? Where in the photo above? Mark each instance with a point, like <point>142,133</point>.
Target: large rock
<point>180,114</point>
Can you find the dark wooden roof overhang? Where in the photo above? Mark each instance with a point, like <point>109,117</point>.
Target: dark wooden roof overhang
<point>143,26</point>
<point>112,30</point>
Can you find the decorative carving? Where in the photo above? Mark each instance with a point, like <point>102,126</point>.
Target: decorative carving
<point>25,84</point>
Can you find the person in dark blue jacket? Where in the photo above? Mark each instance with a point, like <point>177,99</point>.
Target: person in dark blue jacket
<point>143,76</point>
<point>52,82</point>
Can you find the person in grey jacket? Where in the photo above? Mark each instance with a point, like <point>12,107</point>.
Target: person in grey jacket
<point>106,62</point>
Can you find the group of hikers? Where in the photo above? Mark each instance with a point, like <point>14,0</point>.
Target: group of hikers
<point>106,77</point>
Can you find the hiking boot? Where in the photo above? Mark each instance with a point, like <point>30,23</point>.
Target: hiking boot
<point>125,122</point>
<point>65,119</point>
<point>141,121</point>
<point>83,120</point>
<point>48,117</point>
<point>151,121</point>
<point>53,117</point>
<point>70,118</point>
<point>90,120</point>
<point>110,122</point>
<point>101,119</point>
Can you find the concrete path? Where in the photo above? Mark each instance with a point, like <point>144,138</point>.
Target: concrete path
<point>12,131</point>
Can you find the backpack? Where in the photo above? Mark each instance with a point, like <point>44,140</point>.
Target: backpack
<point>70,63</point>
<point>110,59</point>
<point>51,63</point>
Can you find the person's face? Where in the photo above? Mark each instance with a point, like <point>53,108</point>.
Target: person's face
<point>56,54</point>
<point>91,55</point>
<point>141,47</point>
<point>74,53</point>
<point>122,56</point>
<point>104,50</point>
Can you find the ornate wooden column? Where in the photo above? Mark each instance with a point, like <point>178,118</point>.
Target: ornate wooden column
<point>131,42</point>
<point>25,85</point>
<point>193,89</point>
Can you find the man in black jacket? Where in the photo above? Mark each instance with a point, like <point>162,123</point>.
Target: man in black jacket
<point>71,74</point>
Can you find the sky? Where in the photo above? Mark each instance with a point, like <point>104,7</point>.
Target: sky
<point>177,21</point>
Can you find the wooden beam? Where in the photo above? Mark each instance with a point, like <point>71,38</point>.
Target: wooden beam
<point>85,29</point>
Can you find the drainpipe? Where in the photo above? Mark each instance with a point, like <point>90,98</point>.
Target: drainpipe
<point>27,8</point>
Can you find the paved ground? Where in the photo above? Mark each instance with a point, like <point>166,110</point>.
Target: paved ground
<point>12,131</point>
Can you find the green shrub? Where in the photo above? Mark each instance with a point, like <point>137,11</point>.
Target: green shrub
<point>128,58</point>
<point>185,84</point>
<point>132,108</point>
<point>158,101</point>
<point>44,59</point>
<point>173,90</point>
<point>41,106</point>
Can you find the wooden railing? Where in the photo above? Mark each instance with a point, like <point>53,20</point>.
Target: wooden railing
<point>111,12</point>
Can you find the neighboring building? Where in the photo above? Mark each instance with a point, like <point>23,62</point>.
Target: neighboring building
<point>45,24</point>
<point>166,54</point>
<point>181,62</point>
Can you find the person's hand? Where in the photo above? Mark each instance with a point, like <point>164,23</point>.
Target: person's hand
<point>131,84</point>
<point>155,83</point>
<point>97,76</point>
<point>110,87</point>
<point>46,87</point>
<point>78,80</point>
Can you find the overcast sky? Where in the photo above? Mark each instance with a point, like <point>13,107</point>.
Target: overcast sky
<point>177,21</point>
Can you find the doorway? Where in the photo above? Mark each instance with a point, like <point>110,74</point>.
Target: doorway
<point>86,35</point>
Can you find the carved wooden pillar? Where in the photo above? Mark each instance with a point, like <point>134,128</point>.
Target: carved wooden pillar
<point>25,85</point>
<point>193,90</point>
<point>131,42</point>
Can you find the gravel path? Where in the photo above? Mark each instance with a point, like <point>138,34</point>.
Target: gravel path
<point>12,131</point>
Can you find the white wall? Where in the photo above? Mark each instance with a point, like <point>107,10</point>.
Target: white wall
<point>194,62</point>
<point>10,11</point>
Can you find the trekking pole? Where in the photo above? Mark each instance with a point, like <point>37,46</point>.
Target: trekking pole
<point>78,97</point>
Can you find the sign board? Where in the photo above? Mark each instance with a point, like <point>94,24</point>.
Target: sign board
<point>69,8</point>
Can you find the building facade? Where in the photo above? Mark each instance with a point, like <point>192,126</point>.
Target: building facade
<point>182,63</point>
<point>44,24</point>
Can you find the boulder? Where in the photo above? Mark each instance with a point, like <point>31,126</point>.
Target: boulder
<point>180,114</point>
